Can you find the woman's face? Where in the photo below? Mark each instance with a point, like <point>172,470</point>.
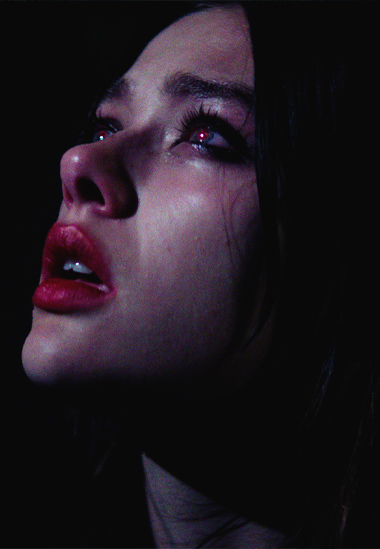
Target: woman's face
<point>161,203</point>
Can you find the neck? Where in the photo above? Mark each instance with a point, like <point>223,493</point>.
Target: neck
<point>183,517</point>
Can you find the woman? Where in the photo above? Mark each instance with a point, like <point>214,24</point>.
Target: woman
<point>198,277</point>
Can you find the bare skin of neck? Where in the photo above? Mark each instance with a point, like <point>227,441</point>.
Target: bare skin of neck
<point>183,517</point>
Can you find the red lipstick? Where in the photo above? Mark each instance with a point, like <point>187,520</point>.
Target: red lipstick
<point>74,274</point>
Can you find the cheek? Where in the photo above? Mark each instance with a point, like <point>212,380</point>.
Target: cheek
<point>204,228</point>
<point>179,263</point>
<point>243,222</point>
<point>193,241</point>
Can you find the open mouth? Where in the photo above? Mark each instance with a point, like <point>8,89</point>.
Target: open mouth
<point>73,269</point>
<point>74,274</point>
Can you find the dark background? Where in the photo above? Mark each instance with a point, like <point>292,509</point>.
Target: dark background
<point>56,56</point>
<point>55,59</point>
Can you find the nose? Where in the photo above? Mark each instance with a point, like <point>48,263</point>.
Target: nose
<point>94,176</point>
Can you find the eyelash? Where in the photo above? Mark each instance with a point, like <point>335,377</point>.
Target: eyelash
<point>95,125</point>
<point>237,150</point>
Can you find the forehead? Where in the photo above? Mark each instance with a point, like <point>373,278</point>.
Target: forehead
<point>214,43</point>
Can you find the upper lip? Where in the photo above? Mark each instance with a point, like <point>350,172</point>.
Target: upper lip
<point>65,242</point>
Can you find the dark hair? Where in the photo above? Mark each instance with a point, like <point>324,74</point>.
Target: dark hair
<point>315,131</point>
<point>314,409</point>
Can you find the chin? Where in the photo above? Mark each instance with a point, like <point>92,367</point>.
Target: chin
<point>57,350</point>
<point>83,350</point>
<point>44,360</point>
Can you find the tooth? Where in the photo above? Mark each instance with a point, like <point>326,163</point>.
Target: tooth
<point>76,266</point>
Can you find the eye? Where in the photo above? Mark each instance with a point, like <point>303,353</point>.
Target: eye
<point>207,137</point>
<point>101,134</point>
<point>97,129</point>
<point>214,137</point>
<point>100,129</point>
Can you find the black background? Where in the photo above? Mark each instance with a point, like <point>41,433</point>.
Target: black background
<point>55,59</point>
<point>56,56</point>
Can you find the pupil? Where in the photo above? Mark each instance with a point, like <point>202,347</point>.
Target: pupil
<point>203,135</point>
<point>102,135</point>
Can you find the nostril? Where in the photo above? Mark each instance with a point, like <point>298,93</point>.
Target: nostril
<point>89,192</point>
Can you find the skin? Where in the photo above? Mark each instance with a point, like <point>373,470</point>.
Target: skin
<point>183,517</point>
<point>180,231</point>
<point>175,225</point>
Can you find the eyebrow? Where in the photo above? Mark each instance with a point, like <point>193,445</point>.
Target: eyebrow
<point>189,85</point>
<point>119,90</point>
<point>184,85</point>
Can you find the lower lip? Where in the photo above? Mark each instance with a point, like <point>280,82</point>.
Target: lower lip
<point>65,296</point>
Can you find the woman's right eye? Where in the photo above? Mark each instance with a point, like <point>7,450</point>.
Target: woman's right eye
<point>97,129</point>
<point>101,129</point>
<point>101,134</point>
